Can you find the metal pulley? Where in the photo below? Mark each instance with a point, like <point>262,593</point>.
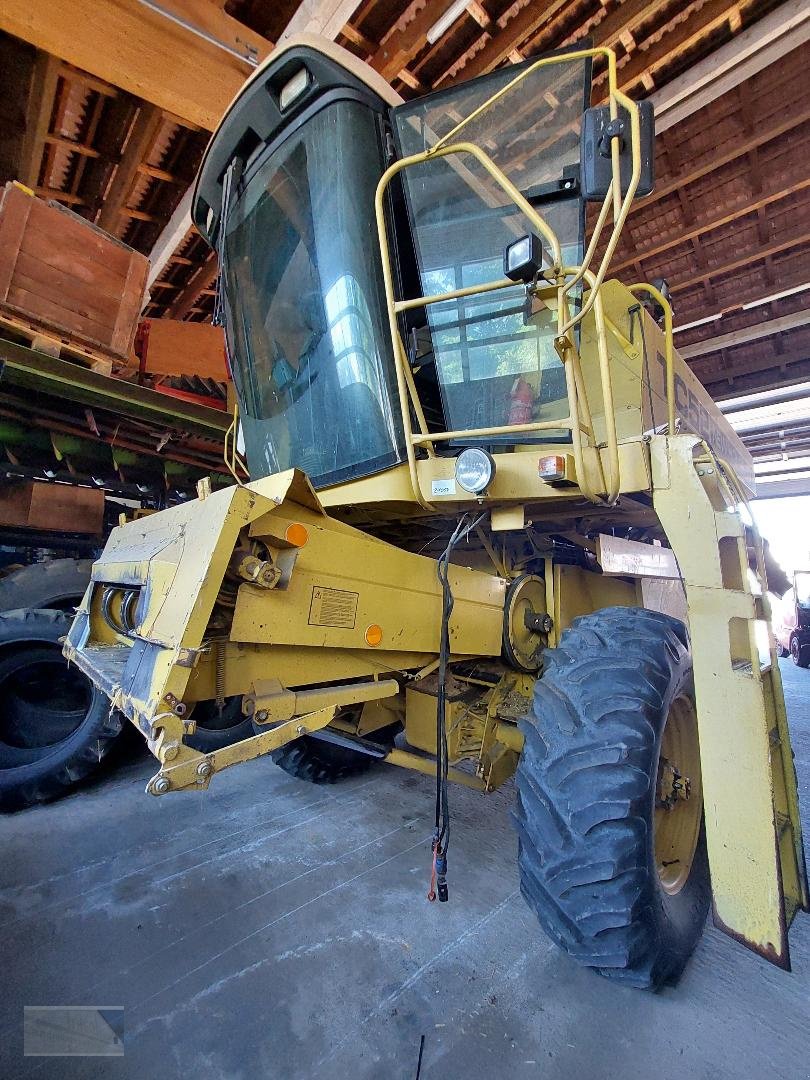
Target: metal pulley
<point>526,623</point>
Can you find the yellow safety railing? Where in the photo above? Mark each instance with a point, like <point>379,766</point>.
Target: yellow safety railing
<point>230,455</point>
<point>669,348</point>
<point>578,421</point>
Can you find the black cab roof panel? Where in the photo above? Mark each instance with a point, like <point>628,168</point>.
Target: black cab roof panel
<point>260,114</point>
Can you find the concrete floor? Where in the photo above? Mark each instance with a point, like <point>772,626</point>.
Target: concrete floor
<point>273,929</point>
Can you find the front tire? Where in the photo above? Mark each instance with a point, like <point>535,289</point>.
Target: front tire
<point>216,728</point>
<point>320,762</point>
<point>615,879</point>
<point>799,654</point>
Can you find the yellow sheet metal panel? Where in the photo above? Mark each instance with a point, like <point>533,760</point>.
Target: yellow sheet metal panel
<point>579,592</point>
<point>735,731</point>
<point>642,405</point>
<point>632,559</point>
<point>295,667</point>
<point>345,582</point>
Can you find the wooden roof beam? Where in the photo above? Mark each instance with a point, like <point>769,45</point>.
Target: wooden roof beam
<point>499,42</point>
<point>764,43</point>
<point>530,20</point>
<point>740,148</point>
<point>144,49</point>
<point>681,37</point>
<point>202,278</point>
<point>72,146</point>
<point>761,374</point>
<point>322,17</point>
<point>141,138</point>
<point>701,228</point>
<point>172,236</point>
<point>754,256</point>
<point>748,333</point>
<point>401,45</point>
<point>763,298</point>
<point>42,91</point>
<point>756,365</point>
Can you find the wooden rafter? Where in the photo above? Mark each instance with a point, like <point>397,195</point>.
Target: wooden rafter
<point>683,36</point>
<point>401,45</point>
<point>322,17</point>
<point>740,366</point>
<point>127,44</point>
<point>202,278</point>
<point>757,254</point>
<point>44,79</point>
<point>740,148</point>
<point>748,333</point>
<point>701,229</point>
<point>72,145</point>
<point>764,43</point>
<point>140,140</point>
<point>757,295</point>
<point>494,48</point>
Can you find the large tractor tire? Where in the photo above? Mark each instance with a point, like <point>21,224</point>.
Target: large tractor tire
<point>60,583</point>
<point>799,653</point>
<point>55,727</point>
<point>612,848</point>
<point>216,728</point>
<point>321,762</point>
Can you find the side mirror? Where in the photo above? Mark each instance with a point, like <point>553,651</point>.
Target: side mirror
<point>598,131</point>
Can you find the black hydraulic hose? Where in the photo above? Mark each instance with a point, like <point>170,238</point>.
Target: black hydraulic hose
<point>441,834</point>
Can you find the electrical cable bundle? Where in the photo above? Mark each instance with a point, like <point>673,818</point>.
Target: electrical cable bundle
<point>441,833</point>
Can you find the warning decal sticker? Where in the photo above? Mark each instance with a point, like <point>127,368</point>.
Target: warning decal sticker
<point>333,607</point>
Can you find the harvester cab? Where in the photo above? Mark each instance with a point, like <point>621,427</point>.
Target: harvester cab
<point>485,522</point>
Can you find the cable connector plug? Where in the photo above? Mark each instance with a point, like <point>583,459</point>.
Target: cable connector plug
<point>441,877</point>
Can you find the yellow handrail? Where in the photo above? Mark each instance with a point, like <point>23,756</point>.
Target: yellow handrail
<point>234,459</point>
<point>669,348</point>
<point>564,278</point>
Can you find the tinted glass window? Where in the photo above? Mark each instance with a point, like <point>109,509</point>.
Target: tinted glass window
<point>309,332</point>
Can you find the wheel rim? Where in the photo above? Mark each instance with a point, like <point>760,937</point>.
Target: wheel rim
<point>678,796</point>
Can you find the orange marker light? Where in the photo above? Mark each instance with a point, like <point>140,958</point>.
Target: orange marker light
<point>296,534</point>
<point>551,468</point>
<point>373,634</point>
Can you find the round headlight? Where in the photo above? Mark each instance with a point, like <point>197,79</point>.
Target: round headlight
<point>474,470</point>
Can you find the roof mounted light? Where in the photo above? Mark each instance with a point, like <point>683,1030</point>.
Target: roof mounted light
<point>293,88</point>
<point>475,469</point>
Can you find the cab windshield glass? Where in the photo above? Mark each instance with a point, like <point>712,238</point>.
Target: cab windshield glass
<point>308,333</point>
<point>495,358</point>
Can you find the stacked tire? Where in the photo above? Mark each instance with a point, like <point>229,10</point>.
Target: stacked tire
<point>55,727</point>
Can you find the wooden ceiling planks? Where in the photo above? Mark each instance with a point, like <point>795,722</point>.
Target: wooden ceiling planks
<point>727,224</point>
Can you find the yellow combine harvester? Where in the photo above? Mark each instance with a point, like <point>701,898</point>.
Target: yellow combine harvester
<point>481,508</point>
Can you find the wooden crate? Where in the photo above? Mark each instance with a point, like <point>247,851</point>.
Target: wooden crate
<point>52,507</point>
<point>173,347</point>
<point>64,278</point>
